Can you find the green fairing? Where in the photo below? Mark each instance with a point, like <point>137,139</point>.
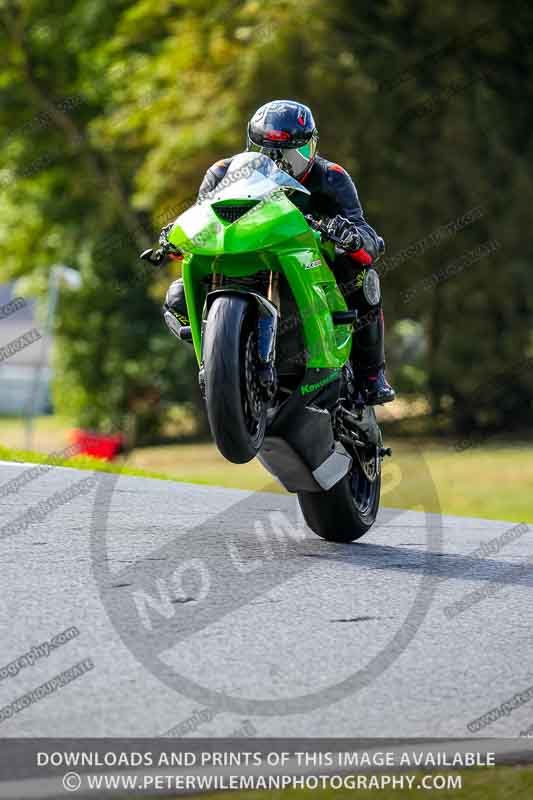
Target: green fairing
<point>273,235</point>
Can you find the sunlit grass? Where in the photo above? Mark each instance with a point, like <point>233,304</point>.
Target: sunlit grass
<point>489,783</point>
<point>491,481</point>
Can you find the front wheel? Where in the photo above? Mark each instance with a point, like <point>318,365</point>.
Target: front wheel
<point>348,510</point>
<point>236,409</point>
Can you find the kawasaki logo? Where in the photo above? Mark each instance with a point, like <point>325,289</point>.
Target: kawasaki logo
<point>307,388</point>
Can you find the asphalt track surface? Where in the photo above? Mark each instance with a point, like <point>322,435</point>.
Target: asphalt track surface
<point>211,612</point>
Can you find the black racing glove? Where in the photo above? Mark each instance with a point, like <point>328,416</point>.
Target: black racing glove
<point>164,233</point>
<point>165,249</point>
<point>346,232</point>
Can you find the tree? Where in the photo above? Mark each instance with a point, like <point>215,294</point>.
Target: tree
<point>429,107</point>
<point>67,197</point>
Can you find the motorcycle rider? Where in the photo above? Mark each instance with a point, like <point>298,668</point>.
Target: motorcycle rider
<point>285,131</point>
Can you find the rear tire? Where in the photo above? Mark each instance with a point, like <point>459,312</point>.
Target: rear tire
<point>347,511</point>
<point>235,408</point>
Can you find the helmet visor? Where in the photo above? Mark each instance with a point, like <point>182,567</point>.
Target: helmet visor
<point>293,160</point>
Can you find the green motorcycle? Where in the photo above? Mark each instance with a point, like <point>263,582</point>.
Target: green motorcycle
<point>272,335</point>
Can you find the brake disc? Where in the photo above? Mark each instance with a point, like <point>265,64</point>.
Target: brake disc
<point>370,462</point>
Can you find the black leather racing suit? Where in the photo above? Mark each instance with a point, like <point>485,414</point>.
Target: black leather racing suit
<point>332,192</point>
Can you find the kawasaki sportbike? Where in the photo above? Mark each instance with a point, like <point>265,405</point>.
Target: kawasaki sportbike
<point>272,335</point>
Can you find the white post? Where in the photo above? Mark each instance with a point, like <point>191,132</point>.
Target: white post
<point>73,279</point>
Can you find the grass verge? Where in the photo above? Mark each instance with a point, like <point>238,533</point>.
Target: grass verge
<point>491,481</point>
<point>488,482</point>
<point>494,783</point>
<point>78,462</point>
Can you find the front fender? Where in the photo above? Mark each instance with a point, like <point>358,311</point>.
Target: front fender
<point>267,320</point>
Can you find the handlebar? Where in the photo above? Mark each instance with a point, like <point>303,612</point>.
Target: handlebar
<point>158,256</point>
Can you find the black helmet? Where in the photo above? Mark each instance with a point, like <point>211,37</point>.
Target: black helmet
<point>285,131</point>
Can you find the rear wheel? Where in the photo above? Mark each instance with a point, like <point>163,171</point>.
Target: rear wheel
<point>348,510</point>
<point>235,406</point>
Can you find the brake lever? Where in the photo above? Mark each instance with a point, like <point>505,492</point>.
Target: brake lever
<point>312,222</point>
<point>154,258</point>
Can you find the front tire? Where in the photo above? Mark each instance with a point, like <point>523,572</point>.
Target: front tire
<point>235,408</point>
<point>348,510</point>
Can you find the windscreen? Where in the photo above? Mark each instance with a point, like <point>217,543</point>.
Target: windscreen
<point>252,176</point>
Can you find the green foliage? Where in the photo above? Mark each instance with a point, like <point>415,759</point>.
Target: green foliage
<point>112,111</point>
